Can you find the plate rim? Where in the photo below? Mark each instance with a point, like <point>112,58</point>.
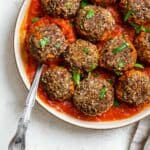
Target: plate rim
<point>53,111</point>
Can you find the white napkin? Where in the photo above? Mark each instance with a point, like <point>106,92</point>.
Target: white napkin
<point>141,139</point>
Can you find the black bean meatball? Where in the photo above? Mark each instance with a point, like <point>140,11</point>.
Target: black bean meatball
<point>134,87</point>
<point>137,11</point>
<point>104,3</point>
<point>94,23</point>
<point>64,8</point>
<point>142,45</point>
<point>46,42</point>
<point>93,96</point>
<point>118,54</point>
<point>58,84</point>
<point>81,55</point>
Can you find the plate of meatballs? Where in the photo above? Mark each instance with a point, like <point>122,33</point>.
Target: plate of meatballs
<point>96,56</point>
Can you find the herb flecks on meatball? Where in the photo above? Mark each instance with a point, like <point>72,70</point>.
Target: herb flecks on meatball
<point>81,56</point>
<point>137,11</point>
<point>118,54</point>
<point>142,45</point>
<point>94,96</point>
<point>65,8</point>
<point>46,42</point>
<point>94,23</point>
<point>58,84</point>
<point>133,87</point>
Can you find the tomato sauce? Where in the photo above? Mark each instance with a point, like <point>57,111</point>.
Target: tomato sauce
<point>116,112</point>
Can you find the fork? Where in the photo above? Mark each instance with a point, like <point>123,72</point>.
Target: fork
<point>19,140</point>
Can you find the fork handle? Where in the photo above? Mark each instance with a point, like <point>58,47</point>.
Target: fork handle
<point>19,138</point>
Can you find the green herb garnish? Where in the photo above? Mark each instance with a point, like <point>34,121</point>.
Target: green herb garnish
<point>76,77</point>
<point>110,81</point>
<point>68,5</point>
<point>57,45</point>
<point>128,14</point>
<point>35,19</point>
<point>102,93</point>
<point>92,67</point>
<point>119,49</point>
<point>83,3</point>
<point>139,28</point>
<point>90,14</point>
<point>86,50</point>
<point>145,29</point>
<point>137,65</point>
<point>121,64</point>
<point>118,73</point>
<point>116,103</point>
<point>44,41</point>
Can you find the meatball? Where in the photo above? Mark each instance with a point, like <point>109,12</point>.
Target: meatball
<point>65,8</point>
<point>58,84</point>
<point>104,3</point>
<point>46,42</point>
<point>81,55</point>
<point>133,87</point>
<point>94,23</point>
<point>118,54</point>
<point>142,45</point>
<point>137,11</point>
<point>94,96</point>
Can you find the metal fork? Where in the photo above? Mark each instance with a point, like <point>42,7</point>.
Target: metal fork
<point>18,141</point>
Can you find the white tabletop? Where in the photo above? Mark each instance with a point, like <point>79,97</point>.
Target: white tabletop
<point>46,132</point>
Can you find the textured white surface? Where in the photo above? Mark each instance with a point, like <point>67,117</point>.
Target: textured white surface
<point>45,132</point>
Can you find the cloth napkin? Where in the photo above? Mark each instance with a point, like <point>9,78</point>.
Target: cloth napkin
<point>141,138</point>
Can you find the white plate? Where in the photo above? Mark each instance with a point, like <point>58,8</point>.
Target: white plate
<point>65,117</point>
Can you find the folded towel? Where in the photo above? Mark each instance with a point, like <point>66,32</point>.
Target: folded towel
<point>141,139</point>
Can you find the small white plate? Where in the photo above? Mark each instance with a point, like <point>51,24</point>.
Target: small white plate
<point>63,116</point>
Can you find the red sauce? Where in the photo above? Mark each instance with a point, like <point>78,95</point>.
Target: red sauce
<point>115,113</point>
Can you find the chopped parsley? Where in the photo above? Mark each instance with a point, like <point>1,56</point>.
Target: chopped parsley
<point>86,50</point>
<point>43,42</point>
<point>110,81</point>
<point>92,67</point>
<point>128,14</point>
<point>145,29</point>
<point>116,103</point>
<point>121,64</point>
<point>76,77</point>
<point>102,93</point>
<point>137,65</point>
<point>68,5</point>
<point>118,73</point>
<point>83,3</point>
<point>57,45</point>
<point>90,13</point>
<point>35,19</point>
<point>119,49</point>
<point>139,28</point>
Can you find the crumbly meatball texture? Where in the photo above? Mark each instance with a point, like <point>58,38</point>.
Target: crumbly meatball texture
<point>133,87</point>
<point>58,84</point>
<point>142,45</point>
<point>93,96</point>
<point>104,3</point>
<point>47,42</point>
<point>81,55</point>
<point>64,8</point>
<point>140,10</point>
<point>94,23</point>
<point>115,55</point>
